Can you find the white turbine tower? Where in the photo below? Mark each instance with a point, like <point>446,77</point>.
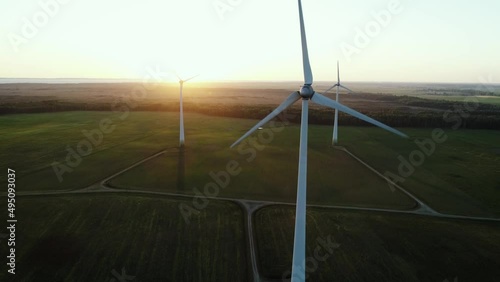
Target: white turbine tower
<point>306,93</point>
<point>181,110</point>
<point>335,137</point>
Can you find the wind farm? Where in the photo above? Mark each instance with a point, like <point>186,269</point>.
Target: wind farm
<point>112,175</point>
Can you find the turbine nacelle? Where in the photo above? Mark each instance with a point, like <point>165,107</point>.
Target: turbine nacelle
<point>306,91</point>
<point>182,81</point>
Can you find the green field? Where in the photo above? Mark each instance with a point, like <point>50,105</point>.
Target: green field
<point>460,177</point>
<point>30,143</point>
<point>89,236</point>
<point>85,238</point>
<point>379,246</point>
<point>334,177</point>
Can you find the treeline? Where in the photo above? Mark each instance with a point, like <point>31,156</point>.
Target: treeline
<point>431,119</point>
<point>458,92</point>
<point>412,101</point>
<point>51,106</point>
<point>446,114</point>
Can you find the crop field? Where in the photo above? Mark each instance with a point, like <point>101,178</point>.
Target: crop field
<point>91,237</point>
<point>31,143</point>
<point>221,141</point>
<point>86,238</point>
<point>459,177</point>
<point>364,246</point>
<point>206,152</point>
<point>268,174</point>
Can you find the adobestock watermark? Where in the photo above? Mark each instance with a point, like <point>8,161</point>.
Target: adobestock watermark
<point>151,81</point>
<point>222,7</point>
<point>363,36</point>
<point>222,179</point>
<point>426,147</point>
<point>92,139</point>
<point>324,249</point>
<point>121,277</point>
<point>31,26</point>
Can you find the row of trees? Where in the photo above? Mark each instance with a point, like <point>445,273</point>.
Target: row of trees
<point>443,114</point>
<point>459,92</point>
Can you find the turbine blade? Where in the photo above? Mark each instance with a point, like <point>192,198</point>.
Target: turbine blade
<point>294,97</point>
<point>191,78</point>
<point>308,77</point>
<point>176,74</point>
<point>342,86</point>
<point>322,100</point>
<point>328,90</point>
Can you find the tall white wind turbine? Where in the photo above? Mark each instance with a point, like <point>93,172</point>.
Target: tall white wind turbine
<point>335,137</point>
<point>181,110</point>
<point>306,93</point>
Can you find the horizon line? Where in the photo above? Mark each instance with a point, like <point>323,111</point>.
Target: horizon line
<point>135,80</point>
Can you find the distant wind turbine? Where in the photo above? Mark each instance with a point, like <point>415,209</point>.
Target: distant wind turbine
<point>305,94</point>
<point>181,110</point>
<point>336,120</point>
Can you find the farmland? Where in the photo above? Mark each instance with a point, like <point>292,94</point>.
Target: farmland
<point>401,105</point>
<point>134,220</point>
<point>336,178</point>
<point>368,246</point>
<point>458,178</point>
<point>32,143</point>
<point>85,238</point>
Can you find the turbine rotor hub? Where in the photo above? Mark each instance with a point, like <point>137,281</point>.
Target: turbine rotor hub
<point>306,91</point>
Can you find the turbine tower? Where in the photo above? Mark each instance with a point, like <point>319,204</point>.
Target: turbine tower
<point>306,94</point>
<point>181,110</point>
<point>335,137</point>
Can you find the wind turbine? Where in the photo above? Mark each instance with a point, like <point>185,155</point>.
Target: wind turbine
<point>335,137</point>
<point>306,93</point>
<point>181,110</point>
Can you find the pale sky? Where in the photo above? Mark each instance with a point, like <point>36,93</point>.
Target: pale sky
<point>423,41</point>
